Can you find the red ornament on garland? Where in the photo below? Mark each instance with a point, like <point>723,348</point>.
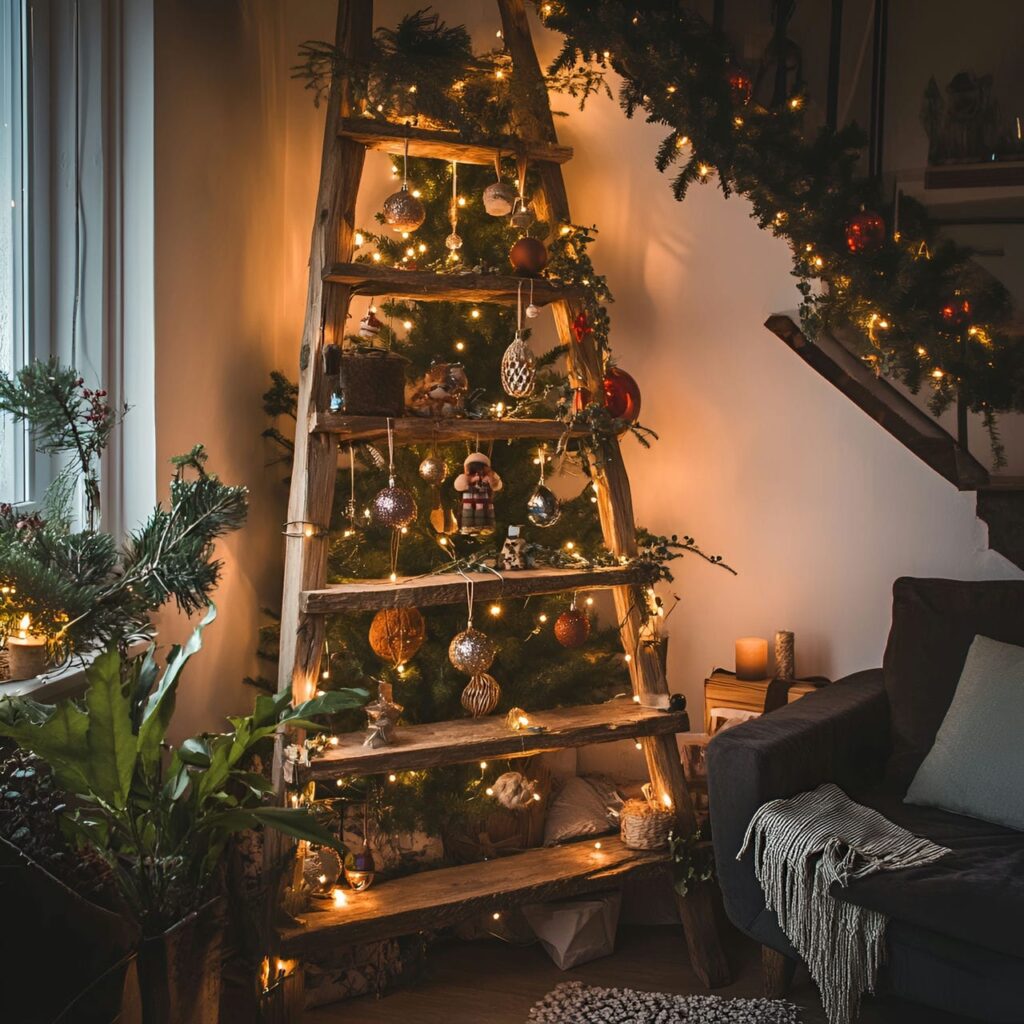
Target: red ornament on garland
<point>572,628</point>
<point>581,327</point>
<point>956,312</point>
<point>621,395</point>
<point>529,256</point>
<point>742,87</point>
<point>865,231</point>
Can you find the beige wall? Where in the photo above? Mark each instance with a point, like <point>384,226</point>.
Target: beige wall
<point>759,458</point>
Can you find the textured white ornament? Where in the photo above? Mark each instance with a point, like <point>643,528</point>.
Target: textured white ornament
<point>481,695</point>
<point>453,241</point>
<point>499,198</point>
<point>403,211</point>
<point>532,311</point>
<point>518,369</point>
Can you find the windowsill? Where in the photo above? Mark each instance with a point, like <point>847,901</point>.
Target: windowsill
<point>67,681</point>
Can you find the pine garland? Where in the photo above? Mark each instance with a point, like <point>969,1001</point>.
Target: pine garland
<point>921,310</point>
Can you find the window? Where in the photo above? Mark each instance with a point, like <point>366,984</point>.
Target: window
<point>13,237</point>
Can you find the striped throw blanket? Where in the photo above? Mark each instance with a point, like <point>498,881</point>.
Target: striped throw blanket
<point>804,844</point>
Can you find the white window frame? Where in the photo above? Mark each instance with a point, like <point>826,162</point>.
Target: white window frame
<point>89,295</point>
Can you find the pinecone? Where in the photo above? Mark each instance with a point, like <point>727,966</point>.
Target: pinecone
<point>31,806</point>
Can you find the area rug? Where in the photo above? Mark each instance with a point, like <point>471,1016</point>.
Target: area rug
<point>572,1002</point>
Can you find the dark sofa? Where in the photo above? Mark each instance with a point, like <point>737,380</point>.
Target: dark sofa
<point>956,933</point>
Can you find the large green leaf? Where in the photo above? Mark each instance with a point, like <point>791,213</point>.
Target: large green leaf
<point>146,672</point>
<point>328,703</point>
<point>297,822</point>
<point>60,741</point>
<point>160,706</point>
<point>111,743</point>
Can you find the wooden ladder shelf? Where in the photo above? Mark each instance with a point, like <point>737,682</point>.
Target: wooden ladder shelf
<point>431,899</point>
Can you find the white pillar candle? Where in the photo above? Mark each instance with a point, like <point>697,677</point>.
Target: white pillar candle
<point>751,658</point>
<point>26,651</point>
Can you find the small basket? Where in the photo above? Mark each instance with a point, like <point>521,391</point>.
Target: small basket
<point>644,825</point>
<point>371,382</point>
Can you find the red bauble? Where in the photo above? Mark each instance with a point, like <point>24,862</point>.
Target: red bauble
<point>865,231</point>
<point>741,85</point>
<point>956,312</point>
<point>621,395</point>
<point>528,256</point>
<point>572,628</point>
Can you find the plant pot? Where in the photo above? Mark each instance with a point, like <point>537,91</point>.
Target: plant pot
<point>180,970</point>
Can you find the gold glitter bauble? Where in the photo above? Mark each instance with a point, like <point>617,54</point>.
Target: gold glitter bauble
<point>393,506</point>
<point>403,211</point>
<point>396,634</point>
<point>472,652</point>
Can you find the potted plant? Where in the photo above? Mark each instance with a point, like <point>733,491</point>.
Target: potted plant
<point>161,816</point>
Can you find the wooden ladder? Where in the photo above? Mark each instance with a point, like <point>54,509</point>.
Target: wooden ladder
<point>432,899</point>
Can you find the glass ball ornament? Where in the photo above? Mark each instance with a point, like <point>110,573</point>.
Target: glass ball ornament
<point>453,242</point>
<point>481,695</point>
<point>865,231</point>
<point>393,506</point>
<point>433,470</point>
<point>321,868</point>
<point>532,311</point>
<point>360,869</point>
<point>621,395</point>
<point>529,256</point>
<point>522,218</point>
<point>572,628</point>
<point>542,507</point>
<point>472,652</point>
<point>499,198</point>
<point>403,211</point>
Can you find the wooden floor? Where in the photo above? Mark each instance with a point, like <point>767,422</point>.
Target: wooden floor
<point>494,983</point>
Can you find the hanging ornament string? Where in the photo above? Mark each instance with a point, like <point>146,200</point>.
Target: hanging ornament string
<point>454,242</point>
<point>350,507</point>
<point>396,533</point>
<point>405,163</point>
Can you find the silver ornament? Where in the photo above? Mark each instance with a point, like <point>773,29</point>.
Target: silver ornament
<point>321,868</point>
<point>542,507</point>
<point>471,651</point>
<point>434,470</point>
<point>499,198</point>
<point>532,311</point>
<point>518,369</point>
<point>453,241</point>
<point>393,506</point>
<point>481,695</point>
<point>522,218</point>
<point>403,211</point>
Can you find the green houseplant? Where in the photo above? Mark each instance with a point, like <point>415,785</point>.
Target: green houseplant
<point>161,817</point>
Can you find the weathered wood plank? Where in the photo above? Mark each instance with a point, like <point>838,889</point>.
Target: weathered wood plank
<point>533,120</point>
<point>421,430</point>
<point>450,588</point>
<point>435,899</point>
<point>425,286</point>
<point>445,145</point>
<point>471,739</point>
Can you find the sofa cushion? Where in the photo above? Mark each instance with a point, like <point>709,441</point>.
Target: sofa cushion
<point>975,766</point>
<point>975,893</point>
<point>933,625</point>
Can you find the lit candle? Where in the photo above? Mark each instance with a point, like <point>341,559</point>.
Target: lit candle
<point>26,651</point>
<point>751,658</point>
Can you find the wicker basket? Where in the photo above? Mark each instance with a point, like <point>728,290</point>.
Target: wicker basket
<point>644,825</point>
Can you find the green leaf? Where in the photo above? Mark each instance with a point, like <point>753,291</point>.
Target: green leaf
<point>160,706</point>
<point>109,736</point>
<point>195,751</point>
<point>60,741</point>
<point>146,674</point>
<point>328,703</point>
<point>297,822</point>
<point>254,781</point>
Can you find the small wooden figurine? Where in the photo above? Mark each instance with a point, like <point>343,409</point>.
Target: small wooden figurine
<point>477,484</point>
<point>513,551</point>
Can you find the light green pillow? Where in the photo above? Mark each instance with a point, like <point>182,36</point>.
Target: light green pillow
<point>976,766</point>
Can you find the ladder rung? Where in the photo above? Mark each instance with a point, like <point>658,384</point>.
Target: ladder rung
<point>450,588</point>
<point>442,145</point>
<point>430,900</point>
<point>425,286</point>
<point>470,739</point>
<point>423,430</point>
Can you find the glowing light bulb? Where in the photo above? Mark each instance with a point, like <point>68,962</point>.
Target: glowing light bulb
<point>569,545</point>
<point>475,314</point>
<point>597,845</point>
<point>422,247</point>
<point>639,745</point>
<point>629,658</point>
<point>394,577</point>
<point>392,777</point>
<point>460,346</point>
<point>489,791</point>
<point>495,610</point>
<point>358,238</point>
<point>483,766</point>
<point>340,899</point>
<point>496,916</point>
<point>590,601</point>
<point>542,617</point>
<point>405,236</point>
<point>407,324</point>
<point>536,796</point>
<point>462,200</point>
<point>334,741</point>
<point>416,193</point>
<point>376,257</point>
